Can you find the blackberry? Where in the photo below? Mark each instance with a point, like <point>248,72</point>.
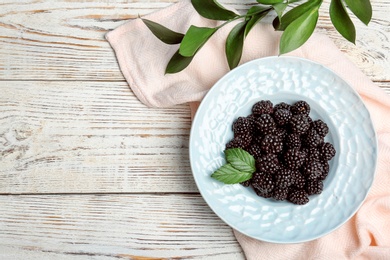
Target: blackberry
<point>293,159</point>
<point>281,132</point>
<point>312,153</point>
<point>262,107</point>
<point>282,105</point>
<point>242,126</point>
<point>312,170</point>
<point>246,183</point>
<point>256,139</point>
<point>279,193</point>
<point>283,178</point>
<point>282,116</point>
<point>268,163</point>
<point>327,151</point>
<point>314,187</point>
<point>255,150</point>
<point>300,107</point>
<point>266,124</point>
<point>312,138</point>
<point>271,144</point>
<point>299,124</point>
<point>263,182</point>
<point>297,180</point>
<point>263,194</point>
<point>235,143</point>
<point>320,127</point>
<point>293,141</point>
<point>325,171</point>
<point>298,196</point>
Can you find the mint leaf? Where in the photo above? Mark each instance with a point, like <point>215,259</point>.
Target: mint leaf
<point>240,160</point>
<point>229,175</point>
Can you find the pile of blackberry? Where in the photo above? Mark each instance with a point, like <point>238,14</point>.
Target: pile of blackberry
<point>289,148</point>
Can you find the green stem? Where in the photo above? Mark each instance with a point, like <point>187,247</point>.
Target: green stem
<point>241,16</point>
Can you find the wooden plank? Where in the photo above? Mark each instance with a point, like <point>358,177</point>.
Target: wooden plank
<point>89,137</point>
<point>40,40</point>
<point>113,227</point>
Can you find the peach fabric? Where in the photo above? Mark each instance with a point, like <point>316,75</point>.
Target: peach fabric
<point>142,59</point>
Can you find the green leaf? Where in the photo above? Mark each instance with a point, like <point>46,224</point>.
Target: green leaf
<point>177,63</point>
<point>255,18</point>
<point>269,2</point>
<point>296,12</point>
<point>194,39</point>
<point>341,21</point>
<point>229,175</point>
<point>361,8</point>
<point>163,33</point>
<point>257,9</point>
<point>240,159</point>
<point>211,9</point>
<point>235,44</point>
<point>298,31</point>
<point>279,9</point>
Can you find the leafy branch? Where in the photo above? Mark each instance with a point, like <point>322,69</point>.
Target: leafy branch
<point>297,24</point>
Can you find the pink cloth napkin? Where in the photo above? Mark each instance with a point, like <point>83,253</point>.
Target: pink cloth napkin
<point>143,58</point>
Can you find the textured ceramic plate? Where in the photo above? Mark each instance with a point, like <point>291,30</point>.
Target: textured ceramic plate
<point>331,99</point>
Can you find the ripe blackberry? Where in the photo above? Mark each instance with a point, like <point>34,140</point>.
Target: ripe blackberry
<point>320,127</point>
<point>327,151</point>
<point>255,150</point>
<point>312,153</point>
<point>325,171</point>
<point>314,187</point>
<point>282,105</point>
<point>266,124</point>
<point>268,163</point>
<point>312,138</point>
<point>262,194</point>
<point>283,178</point>
<point>279,193</point>
<point>300,107</point>
<point>282,116</point>
<point>262,107</point>
<point>242,126</point>
<point>271,144</point>
<point>312,170</point>
<point>235,143</point>
<point>299,124</point>
<point>256,139</point>
<point>263,182</point>
<point>293,141</point>
<point>298,196</point>
<point>293,159</point>
<point>246,183</point>
<point>297,180</point>
<point>281,132</point>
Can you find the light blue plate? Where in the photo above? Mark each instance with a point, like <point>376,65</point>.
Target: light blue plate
<point>285,79</point>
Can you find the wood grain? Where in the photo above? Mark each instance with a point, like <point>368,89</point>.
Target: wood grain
<point>90,137</point>
<point>113,227</point>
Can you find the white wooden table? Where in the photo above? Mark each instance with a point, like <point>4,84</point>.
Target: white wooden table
<point>86,170</point>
